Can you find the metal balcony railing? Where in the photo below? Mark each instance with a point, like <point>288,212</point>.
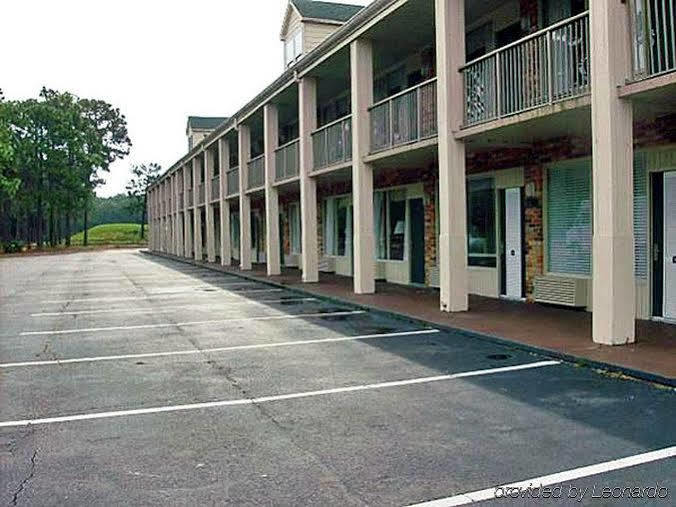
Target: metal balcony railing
<point>256,172</point>
<point>216,188</point>
<point>287,160</point>
<point>190,197</point>
<point>200,193</point>
<point>547,66</point>
<point>408,116</point>
<point>654,37</point>
<point>332,143</point>
<point>232,177</point>
<point>181,200</point>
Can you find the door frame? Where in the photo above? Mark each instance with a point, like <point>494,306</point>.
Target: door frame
<point>502,248</point>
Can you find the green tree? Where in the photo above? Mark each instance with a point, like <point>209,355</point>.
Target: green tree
<point>143,176</point>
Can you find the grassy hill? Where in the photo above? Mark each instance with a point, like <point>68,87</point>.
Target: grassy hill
<point>112,234</point>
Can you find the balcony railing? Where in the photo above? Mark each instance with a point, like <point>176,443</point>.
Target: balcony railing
<point>190,197</point>
<point>216,188</point>
<point>287,161</point>
<point>547,66</point>
<point>256,172</point>
<point>233,181</point>
<point>332,143</point>
<point>406,117</point>
<point>180,200</point>
<point>200,193</point>
<point>654,36</point>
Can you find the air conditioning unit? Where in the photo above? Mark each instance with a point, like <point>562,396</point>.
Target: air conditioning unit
<point>560,290</point>
<point>327,265</point>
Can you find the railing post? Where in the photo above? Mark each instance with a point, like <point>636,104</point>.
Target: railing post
<point>498,87</point>
<point>550,69</point>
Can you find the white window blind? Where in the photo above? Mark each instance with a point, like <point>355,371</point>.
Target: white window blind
<point>640,217</point>
<point>569,218</point>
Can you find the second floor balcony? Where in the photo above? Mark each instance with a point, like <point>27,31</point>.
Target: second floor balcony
<point>547,66</point>
<point>287,161</point>
<point>181,200</point>
<point>256,172</point>
<point>216,188</point>
<point>190,197</point>
<point>654,37</point>
<point>406,117</point>
<point>332,143</point>
<point>200,193</point>
<point>232,180</point>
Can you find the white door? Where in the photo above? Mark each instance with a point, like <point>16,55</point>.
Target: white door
<point>513,249</point>
<point>670,245</point>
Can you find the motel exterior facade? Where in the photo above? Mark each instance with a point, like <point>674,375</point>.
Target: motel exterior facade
<point>523,149</point>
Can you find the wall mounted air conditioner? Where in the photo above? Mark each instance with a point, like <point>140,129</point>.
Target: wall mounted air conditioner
<point>561,290</point>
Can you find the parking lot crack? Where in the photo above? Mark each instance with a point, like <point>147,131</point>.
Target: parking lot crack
<point>27,479</point>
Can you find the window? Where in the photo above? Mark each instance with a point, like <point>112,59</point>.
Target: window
<point>389,220</point>
<point>397,229</point>
<point>481,222</point>
<point>294,228</point>
<point>569,219</point>
<point>337,226</point>
<point>293,47</point>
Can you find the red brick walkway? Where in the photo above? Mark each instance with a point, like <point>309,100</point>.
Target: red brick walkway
<point>559,330</point>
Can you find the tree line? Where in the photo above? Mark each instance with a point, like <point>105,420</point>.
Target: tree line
<point>54,151</point>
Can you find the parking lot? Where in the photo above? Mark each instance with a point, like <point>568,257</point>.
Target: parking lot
<point>131,379</point>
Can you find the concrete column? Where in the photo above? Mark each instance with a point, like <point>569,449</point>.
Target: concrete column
<point>187,236</point>
<point>612,152</point>
<point>307,116</point>
<point>197,215</point>
<point>177,215</point>
<point>271,141</point>
<point>181,210</point>
<point>244,199</point>
<point>450,42</point>
<point>209,211</point>
<point>224,157</point>
<point>149,214</point>
<point>361,68</point>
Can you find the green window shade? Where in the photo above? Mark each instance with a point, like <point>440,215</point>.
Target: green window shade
<point>569,218</point>
<point>640,217</point>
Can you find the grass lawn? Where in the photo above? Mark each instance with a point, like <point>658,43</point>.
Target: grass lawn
<point>112,234</point>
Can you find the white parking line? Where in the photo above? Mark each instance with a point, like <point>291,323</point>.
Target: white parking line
<point>168,309</point>
<point>158,296</point>
<point>267,399</point>
<point>152,290</point>
<point>193,323</point>
<point>233,348</point>
<point>548,480</point>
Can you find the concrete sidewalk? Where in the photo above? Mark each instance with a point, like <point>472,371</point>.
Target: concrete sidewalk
<point>562,333</point>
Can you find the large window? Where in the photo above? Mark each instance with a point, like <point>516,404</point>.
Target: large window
<point>569,218</point>
<point>481,222</point>
<point>293,47</point>
<point>389,219</point>
<point>294,228</point>
<point>337,226</point>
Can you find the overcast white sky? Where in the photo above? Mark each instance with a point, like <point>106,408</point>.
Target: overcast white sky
<point>157,60</point>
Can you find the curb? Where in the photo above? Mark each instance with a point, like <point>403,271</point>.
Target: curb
<point>499,340</point>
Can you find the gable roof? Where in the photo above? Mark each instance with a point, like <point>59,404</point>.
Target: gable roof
<point>316,9</point>
<point>205,122</point>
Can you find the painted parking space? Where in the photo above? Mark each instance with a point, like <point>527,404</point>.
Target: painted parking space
<point>262,402</point>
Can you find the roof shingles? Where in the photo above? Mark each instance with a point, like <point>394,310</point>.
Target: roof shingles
<point>326,10</point>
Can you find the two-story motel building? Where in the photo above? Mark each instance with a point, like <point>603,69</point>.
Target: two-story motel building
<point>522,149</point>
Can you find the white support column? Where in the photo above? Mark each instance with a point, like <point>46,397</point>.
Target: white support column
<point>307,116</point>
<point>180,242</point>
<point>197,213</point>
<point>244,199</point>
<point>363,245</point>
<point>224,157</point>
<point>450,43</point>
<point>187,237</point>
<point>271,141</point>
<point>177,208</point>
<point>209,211</point>
<point>612,152</point>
